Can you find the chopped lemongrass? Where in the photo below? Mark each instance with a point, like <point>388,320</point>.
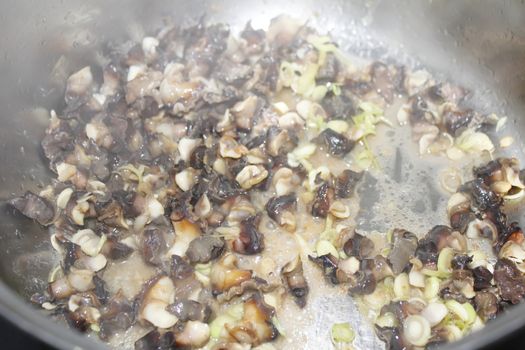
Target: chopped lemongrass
<point>324,247</point>
<point>229,316</point>
<point>202,273</point>
<point>506,141</point>
<point>416,330</point>
<point>281,107</point>
<point>435,273</point>
<point>337,125</point>
<point>453,332</point>
<point>416,278</point>
<point>445,260</point>
<point>431,288</point>
<point>402,286</point>
<point>434,313</point>
<point>342,333</point>
<point>471,141</point>
<point>48,306</point>
<point>459,310</point>
<point>388,319</point>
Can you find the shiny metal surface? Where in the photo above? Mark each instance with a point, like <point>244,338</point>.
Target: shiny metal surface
<point>480,44</point>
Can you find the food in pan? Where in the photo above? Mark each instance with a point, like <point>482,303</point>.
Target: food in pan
<point>207,187</point>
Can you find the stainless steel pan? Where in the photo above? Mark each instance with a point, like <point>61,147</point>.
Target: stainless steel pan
<point>480,44</point>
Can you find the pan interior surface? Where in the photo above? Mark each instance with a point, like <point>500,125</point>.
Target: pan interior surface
<point>477,46</point>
